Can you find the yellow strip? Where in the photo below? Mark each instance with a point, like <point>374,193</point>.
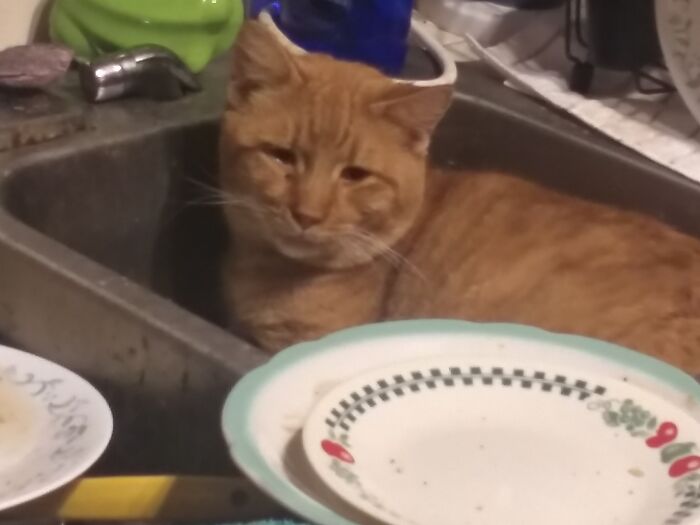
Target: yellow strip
<point>165,498</point>
<point>115,498</point>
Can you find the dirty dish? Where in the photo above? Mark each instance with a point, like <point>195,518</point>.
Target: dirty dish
<point>53,426</point>
<point>678,26</point>
<point>494,440</point>
<point>265,413</point>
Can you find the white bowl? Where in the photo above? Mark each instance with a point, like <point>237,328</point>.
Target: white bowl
<point>448,68</point>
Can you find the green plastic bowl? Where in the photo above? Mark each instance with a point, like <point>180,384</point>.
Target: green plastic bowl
<point>195,30</point>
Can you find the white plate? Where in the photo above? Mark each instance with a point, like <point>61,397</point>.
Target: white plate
<point>264,415</point>
<point>498,440</point>
<point>53,426</point>
<point>678,25</point>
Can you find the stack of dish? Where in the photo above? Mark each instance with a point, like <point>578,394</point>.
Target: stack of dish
<point>448,422</point>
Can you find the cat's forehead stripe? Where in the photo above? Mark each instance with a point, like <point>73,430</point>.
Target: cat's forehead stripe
<point>328,119</point>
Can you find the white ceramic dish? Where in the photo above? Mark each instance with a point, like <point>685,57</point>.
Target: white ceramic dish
<point>448,67</point>
<point>53,426</point>
<point>266,411</point>
<point>500,440</point>
<point>678,25</point>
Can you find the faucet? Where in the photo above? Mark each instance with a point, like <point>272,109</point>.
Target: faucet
<point>151,71</point>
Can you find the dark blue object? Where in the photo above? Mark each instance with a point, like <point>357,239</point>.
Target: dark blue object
<point>371,31</point>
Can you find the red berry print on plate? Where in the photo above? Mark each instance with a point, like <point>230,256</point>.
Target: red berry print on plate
<point>666,433</point>
<point>684,465</point>
<point>337,451</point>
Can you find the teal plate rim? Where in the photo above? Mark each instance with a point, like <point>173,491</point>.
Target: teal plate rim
<point>237,407</point>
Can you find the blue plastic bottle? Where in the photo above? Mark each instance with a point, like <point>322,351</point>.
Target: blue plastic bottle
<point>371,31</point>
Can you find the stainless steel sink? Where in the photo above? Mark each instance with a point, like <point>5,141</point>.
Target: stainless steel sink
<point>108,262</point>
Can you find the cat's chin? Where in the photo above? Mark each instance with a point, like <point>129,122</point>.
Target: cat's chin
<point>322,255</point>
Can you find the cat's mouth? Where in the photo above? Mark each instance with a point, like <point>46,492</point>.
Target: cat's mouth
<point>304,240</point>
<point>336,249</point>
<point>310,250</point>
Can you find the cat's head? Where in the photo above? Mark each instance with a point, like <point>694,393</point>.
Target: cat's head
<point>322,160</point>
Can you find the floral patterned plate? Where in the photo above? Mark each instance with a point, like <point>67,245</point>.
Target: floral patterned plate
<point>492,441</point>
<point>265,414</point>
<point>53,426</point>
<point>678,25</point>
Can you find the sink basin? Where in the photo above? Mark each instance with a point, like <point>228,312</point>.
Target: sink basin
<point>108,257</point>
<point>89,241</point>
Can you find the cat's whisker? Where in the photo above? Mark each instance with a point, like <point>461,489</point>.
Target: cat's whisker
<point>210,189</point>
<point>372,248</point>
<point>391,255</point>
<point>212,194</point>
<point>369,251</point>
<point>221,198</point>
<point>206,201</point>
<point>229,202</point>
<point>203,185</point>
<point>358,249</point>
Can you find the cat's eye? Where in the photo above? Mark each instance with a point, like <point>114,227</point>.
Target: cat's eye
<point>355,174</point>
<point>283,155</point>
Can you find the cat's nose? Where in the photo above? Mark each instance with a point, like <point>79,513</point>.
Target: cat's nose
<point>306,219</point>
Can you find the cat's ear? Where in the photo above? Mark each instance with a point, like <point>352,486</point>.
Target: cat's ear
<point>416,108</point>
<point>259,61</point>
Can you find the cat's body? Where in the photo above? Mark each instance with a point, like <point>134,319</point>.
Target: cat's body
<point>497,248</point>
<point>311,250</point>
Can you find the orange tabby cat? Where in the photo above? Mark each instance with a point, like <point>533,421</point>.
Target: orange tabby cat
<point>336,221</point>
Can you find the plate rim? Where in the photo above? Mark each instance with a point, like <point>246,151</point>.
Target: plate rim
<point>91,457</point>
<point>237,409</point>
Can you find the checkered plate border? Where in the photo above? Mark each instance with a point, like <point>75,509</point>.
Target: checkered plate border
<point>357,403</point>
